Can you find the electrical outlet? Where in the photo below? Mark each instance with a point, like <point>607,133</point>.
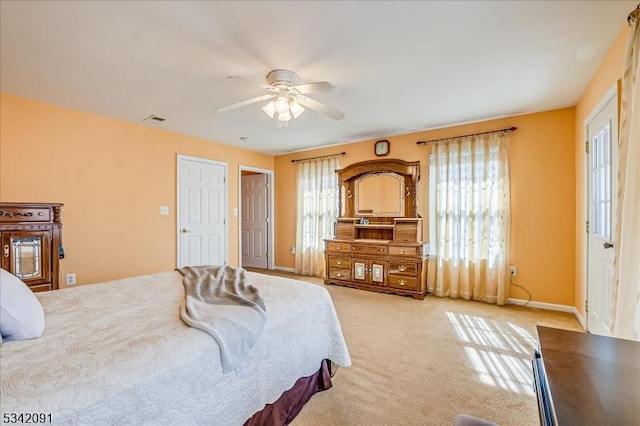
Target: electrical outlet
<point>164,210</point>
<point>292,250</point>
<point>513,270</point>
<point>70,278</point>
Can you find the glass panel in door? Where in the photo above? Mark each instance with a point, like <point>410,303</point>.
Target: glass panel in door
<point>27,257</point>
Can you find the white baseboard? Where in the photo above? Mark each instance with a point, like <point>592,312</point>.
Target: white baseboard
<point>285,269</point>
<point>543,305</point>
<point>580,318</point>
<point>551,307</point>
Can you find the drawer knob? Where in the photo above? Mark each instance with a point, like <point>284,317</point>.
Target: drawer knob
<point>401,251</point>
<point>402,282</point>
<point>402,268</point>
<point>339,262</point>
<point>381,249</point>
<point>339,274</point>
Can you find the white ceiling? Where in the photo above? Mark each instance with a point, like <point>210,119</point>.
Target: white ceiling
<point>399,66</point>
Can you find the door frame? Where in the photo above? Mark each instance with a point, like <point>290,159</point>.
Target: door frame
<point>180,157</point>
<point>611,94</point>
<point>270,210</point>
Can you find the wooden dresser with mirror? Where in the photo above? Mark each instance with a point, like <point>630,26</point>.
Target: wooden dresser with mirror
<point>31,236</point>
<point>378,237</point>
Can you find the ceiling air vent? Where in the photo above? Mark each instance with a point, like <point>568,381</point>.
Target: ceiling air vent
<point>154,118</point>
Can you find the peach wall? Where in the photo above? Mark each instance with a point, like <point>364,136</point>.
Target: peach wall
<point>543,185</point>
<point>608,74</point>
<point>112,177</point>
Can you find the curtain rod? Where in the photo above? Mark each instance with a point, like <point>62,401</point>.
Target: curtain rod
<point>510,129</point>
<point>316,158</point>
<point>631,14</point>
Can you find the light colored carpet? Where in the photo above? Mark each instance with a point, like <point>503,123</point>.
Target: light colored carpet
<point>424,362</point>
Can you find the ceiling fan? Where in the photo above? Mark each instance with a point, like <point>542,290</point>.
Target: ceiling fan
<point>287,98</point>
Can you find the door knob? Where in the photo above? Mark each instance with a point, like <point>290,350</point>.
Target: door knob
<point>185,230</point>
<point>607,245</point>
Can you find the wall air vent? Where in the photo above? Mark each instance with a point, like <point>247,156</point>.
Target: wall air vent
<point>154,117</point>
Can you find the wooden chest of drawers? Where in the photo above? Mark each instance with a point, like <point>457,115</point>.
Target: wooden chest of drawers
<point>383,266</point>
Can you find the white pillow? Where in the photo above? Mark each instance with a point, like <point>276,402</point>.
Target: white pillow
<point>21,314</point>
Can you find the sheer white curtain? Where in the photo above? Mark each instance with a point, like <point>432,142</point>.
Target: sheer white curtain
<point>626,264</point>
<point>470,218</point>
<point>316,213</point>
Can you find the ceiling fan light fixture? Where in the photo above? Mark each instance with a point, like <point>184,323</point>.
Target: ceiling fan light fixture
<point>270,109</point>
<point>287,99</point>
<point>284,116</point>
<point>296,109</point>
<point>281,124</point>
<point>282,104</point>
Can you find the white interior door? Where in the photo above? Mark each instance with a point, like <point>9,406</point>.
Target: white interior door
<point>602,136</point>
<point>201,212</point>
<point>254,225</point>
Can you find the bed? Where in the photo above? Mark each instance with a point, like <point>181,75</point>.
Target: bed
<point>118,353</point>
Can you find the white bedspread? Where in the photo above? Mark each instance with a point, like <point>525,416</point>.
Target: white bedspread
<point>118,353</point>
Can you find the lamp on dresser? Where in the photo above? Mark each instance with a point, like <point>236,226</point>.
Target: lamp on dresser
<point>31,241</point>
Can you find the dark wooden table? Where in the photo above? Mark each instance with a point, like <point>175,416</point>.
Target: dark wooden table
<point>592,380</point>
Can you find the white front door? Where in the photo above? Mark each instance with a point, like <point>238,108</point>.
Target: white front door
<point>602,137</point>
<point>202,210</point>
<point>254,220</point>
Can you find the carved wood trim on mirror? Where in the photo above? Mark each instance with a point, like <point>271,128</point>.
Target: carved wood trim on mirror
<point>406,171</point>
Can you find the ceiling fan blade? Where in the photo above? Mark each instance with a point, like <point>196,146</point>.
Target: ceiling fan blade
<point>317,106</point>
<point>262,85</point>
<point>246,102</point>
<point>318,87</point>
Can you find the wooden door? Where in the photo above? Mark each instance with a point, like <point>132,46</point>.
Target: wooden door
<point>202,200</point>
<point>254,221</point>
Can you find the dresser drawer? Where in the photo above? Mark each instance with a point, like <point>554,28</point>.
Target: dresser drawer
<point>403,281</point>
<point>402,268</point>
<point>368,249</point>
<point>41,287</point>
<point>339,262</point>
<point>335,246</point>
<point>339,274</point>
<point>25,214</point>
<point>403,251</point>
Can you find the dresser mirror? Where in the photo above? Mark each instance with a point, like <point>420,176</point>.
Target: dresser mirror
<point>380,194</point>
<point>379,189</point>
